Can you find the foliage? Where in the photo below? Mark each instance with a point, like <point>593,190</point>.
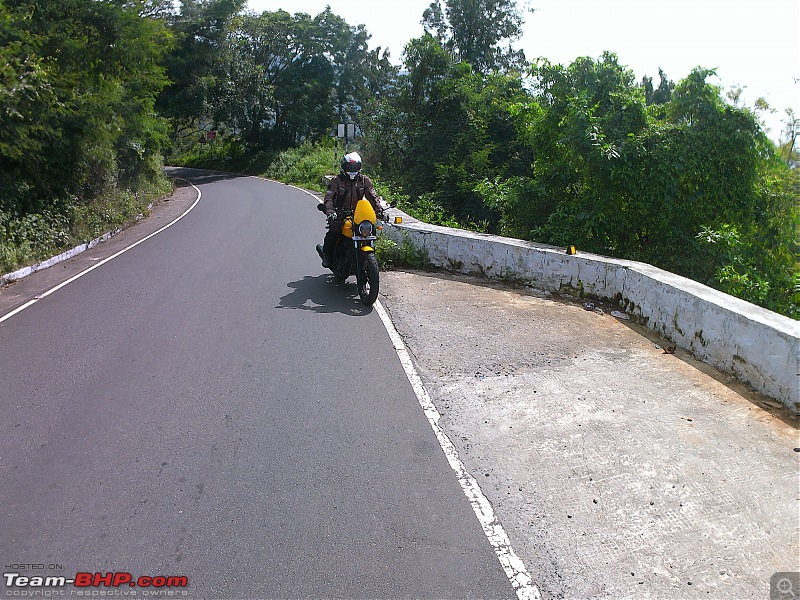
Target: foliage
<point>623,183</point>
<point>267,81</point>
<point>78,84</point>
<point>283,78</point>
<point>660,95</point>
<point>82,120</point>
<point>390,254</point>
<point>305,165</point>
<point>31,237</point>
<point>472,30</point>
<point>467,135</point>
<point>788,146</point>
<point>589,157</point>
<point>198,31</point>
<point>34,237</point>
<point>446,128</point>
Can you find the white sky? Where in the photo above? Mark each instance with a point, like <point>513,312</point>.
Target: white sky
<point>752,44</point>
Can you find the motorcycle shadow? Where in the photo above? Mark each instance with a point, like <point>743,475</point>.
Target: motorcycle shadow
<point>323,294</point>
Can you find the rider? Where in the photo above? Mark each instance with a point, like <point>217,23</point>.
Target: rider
<point>344,192</point>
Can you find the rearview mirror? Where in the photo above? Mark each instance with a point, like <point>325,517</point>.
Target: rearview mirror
<point>321,206</point>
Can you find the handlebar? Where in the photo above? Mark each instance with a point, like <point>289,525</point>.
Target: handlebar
<point>380,213</point>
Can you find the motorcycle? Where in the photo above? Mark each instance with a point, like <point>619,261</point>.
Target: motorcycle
<point>354,253</point>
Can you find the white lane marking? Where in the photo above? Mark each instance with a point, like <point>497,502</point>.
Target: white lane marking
<point>512,564</point>
<point>35,299</point>
<point>514,567</point>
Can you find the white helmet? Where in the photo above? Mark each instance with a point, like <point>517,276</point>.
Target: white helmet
<point>351,164</point>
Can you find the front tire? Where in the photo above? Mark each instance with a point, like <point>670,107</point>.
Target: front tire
<point>368,279</point>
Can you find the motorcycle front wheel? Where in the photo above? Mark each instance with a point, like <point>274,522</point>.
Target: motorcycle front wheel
<point>368,279</point>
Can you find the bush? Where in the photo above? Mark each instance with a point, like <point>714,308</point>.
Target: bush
<point>30,238</point>
<point>391,254</point>
<point>306,165</point>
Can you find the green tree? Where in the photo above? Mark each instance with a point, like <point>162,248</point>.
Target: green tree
<point>697,189</point>
<point>362,75</point>
<point>582,133</point>
<point>473,31</point>
<point>657,98</point>
<point>411,130</point>
<point>788,141</point>
<point>82,119</point>
<point>286,78</point>
<point>199,29</point>
<point>445,130</point>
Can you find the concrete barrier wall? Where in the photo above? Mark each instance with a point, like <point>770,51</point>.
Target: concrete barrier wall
<point>758,346</point>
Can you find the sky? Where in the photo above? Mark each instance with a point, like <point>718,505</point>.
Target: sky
<point>751,44</point>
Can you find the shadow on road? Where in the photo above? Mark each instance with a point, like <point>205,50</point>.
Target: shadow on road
<point>322,294</point>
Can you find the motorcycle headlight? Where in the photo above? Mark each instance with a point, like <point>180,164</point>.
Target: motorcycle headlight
<point>365,228</point>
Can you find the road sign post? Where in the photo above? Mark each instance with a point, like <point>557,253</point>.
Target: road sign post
<point>210,137</point>
<point>346,131</point>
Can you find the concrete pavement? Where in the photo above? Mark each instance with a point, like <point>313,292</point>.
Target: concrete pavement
<point>618,470</point>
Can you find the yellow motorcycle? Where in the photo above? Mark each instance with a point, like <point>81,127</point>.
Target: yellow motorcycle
<point>354,252</point>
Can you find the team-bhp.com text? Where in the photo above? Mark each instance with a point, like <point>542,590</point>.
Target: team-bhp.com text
<point>95,580</point>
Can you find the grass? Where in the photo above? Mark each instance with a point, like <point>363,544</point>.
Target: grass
<point>31,238</point>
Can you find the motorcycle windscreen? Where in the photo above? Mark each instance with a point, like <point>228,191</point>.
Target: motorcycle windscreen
<point>364,212</point>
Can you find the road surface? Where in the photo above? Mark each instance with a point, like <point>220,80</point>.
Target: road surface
<point>208,405</point>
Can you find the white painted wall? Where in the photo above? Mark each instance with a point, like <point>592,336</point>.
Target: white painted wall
<point>758,346</point>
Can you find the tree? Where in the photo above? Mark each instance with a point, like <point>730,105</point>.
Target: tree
<point>582,133</point>
<point>697,189</point>
<point>193,65</point>
<point>788,142</point>
<point>285,78</point>
<point>663,93</point>
<point>413,128</point>
<point>82,117</point>
<point>445,130</point>
<point>472,31</point>
<point>361,75</point>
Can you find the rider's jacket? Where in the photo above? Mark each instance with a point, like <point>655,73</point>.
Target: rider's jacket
<point>344,193</point>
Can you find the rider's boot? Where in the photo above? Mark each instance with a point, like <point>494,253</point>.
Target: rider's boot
<point>326,262</point>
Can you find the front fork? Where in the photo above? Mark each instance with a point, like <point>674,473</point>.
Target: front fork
<point>361,269</point>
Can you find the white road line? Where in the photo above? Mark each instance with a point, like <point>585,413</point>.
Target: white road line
<point>515,569</point>
<point>102,262</point>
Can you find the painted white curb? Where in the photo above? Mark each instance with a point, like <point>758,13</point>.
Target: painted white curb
<point>45,264</point>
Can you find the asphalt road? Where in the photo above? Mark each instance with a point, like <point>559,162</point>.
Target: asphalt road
<point>210,405</point>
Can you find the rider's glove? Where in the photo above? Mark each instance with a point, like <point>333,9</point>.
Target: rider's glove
<point>331,216</point>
